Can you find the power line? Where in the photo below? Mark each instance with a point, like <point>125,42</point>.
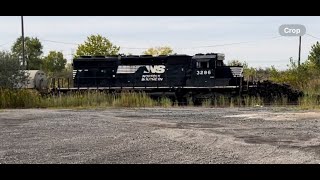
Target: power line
<point>245,42</point>
<point>313,36</point>
<point>5,44</point>
<point>134,48</point>
<point>216,45</point>
<point>60,42</point>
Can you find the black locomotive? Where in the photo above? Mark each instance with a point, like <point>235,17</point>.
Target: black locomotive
<point>199,77</point>
<point>173,75</point>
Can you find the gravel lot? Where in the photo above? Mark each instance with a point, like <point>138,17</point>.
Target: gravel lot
<point>158,135</point>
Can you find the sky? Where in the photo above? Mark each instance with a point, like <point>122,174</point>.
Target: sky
<point>254,39</point>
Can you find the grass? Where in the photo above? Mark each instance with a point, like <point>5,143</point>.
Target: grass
<point>206,103</point>
<point>165,102</point>
<point>176,104</point>
<point>19,98</point>
<point>87,99</point>
<point>225,101</point>
<point>189,102</point>
<point>253,101</point>
<point>132,100</point>
<point>309,101</point>
<point>32,99</point>
<point>95,99</point>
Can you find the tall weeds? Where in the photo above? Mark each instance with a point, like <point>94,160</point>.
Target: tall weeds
<point>32,99</point>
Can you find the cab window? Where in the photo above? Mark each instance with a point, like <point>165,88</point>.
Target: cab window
<point>202,64</point>
<point>218,63</point>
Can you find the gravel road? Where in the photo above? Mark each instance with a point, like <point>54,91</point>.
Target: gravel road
<point>159,135</point>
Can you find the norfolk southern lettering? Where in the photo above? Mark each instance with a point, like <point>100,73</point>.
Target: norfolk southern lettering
<point>155,69</point>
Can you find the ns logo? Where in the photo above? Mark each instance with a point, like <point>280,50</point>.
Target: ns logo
<point>159,69</point>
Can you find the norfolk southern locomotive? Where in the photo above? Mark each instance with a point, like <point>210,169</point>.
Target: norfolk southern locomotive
<point>199,77</point>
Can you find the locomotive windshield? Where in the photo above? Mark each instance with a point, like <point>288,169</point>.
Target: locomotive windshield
<point>202,64</point>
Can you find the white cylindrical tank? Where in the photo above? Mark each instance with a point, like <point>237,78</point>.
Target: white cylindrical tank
<point>37,79</point>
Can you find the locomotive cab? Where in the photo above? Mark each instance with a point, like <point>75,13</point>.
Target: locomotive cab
<point>206,70</point>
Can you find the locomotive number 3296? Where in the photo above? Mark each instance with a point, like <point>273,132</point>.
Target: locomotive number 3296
<point>205,72</point>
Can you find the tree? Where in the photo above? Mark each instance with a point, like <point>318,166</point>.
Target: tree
<point>237,63</point>
<point>298,77</point>
<point>69,67</point>
<point>10,71</point>
<point>33,52</point>
<point>314,56</point>
<point>166,50</point>
<point>96,45</point>
<point>54,62</point>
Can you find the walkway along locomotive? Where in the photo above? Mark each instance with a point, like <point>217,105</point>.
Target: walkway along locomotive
<point>199,77</point>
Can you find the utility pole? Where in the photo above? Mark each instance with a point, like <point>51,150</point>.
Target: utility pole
<point>22,31</point>
<point>293,30</point>
<point>299,50</point>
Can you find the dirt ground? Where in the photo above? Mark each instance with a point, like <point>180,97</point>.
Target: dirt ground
<point>158,135</point>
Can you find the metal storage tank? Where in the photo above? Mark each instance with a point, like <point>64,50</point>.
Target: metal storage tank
<point>37,79</point>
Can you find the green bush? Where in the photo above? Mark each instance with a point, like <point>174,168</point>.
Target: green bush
<point>165,102</point>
